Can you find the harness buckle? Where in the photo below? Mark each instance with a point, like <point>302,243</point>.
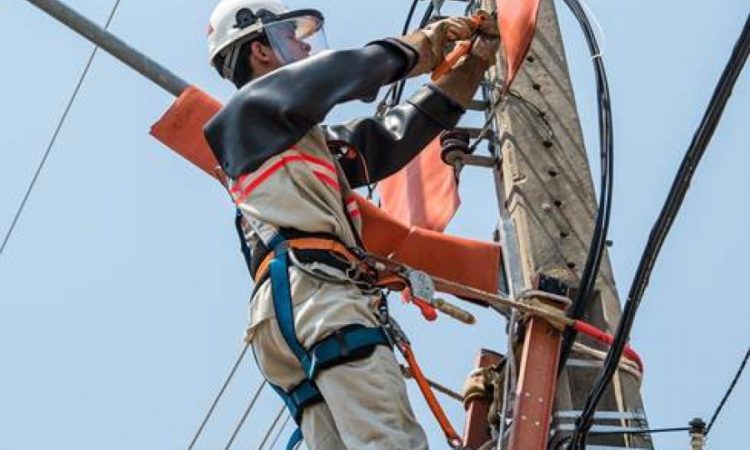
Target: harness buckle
<point>421,292</point>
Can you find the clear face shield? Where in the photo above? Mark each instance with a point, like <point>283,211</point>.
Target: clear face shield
<point>296,35</point>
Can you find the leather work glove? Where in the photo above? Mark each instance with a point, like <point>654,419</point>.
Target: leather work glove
<point>431,41</point>
<point>488,27</point>
<point>486,48</point>
<point>461,83</point>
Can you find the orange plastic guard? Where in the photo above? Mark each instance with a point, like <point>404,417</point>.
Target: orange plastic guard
<point>424,193</point>
<point>517,22</point>
<point>465,261</point>
<point>181,127</point>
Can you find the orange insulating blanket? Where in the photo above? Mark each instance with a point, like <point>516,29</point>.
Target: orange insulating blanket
<point>469,262</point>
<point>517,22</point>
<point>464,261</point>
<point>181,128</point>
<point>424,193</point>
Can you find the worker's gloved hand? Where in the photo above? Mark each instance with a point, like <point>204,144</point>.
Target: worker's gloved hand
<point>488,27</point>
<point>431,41</point>
<point>461,83</point>
<point>485,48</point>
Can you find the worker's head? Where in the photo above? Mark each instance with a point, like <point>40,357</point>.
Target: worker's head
<point>249,38</point>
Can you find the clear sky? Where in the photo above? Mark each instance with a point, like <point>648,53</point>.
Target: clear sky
<point>123,294</point>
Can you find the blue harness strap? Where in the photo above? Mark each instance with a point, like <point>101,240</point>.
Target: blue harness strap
<point>244,248</point>
<point>347,344</point>
<point>343,345</point>
<point>282,303</point>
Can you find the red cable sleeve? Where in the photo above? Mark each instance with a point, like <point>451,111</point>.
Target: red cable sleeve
<point>604,337</point>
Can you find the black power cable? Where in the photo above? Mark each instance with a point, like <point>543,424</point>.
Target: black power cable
<point>728,392</point>
<point>396,91</point>
<point>606,150</point>
<point>53,139</point>
<point>223,388</point>
<point>661,228</point>
<point>399,90</point>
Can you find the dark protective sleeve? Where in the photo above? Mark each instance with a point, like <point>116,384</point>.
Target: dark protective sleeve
<point>386,144</point>
<point>271,113</point>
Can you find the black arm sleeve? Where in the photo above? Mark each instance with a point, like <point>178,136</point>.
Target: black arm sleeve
<point>386,144</point>
<point>274,111</point>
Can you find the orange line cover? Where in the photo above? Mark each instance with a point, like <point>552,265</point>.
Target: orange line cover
<point>517,22</point>
<point>181,128</point>
<point>472,263</point>
<point>424,193</point>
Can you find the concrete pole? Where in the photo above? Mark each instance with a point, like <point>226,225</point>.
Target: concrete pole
<point>547,188</point>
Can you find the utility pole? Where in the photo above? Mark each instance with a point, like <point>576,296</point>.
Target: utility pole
<point>545,184</point>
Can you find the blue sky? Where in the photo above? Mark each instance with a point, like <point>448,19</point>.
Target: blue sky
<point>123,294</point>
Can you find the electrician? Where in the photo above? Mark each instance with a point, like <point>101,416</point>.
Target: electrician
<point>315,330</point>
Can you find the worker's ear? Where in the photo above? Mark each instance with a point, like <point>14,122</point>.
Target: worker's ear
<point>261,52</point>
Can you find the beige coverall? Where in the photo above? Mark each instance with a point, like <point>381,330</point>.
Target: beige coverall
<point>366,404</point>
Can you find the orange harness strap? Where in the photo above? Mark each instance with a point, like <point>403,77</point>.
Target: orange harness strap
<point>308,244</point>
<point>424,386</point>
<point>394,281</point>
<point>388,280</point>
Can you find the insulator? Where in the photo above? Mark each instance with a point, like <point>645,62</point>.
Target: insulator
<point>454,143</point>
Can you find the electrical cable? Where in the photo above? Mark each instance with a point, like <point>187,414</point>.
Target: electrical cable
<point>661,228</point>
<point>245,414</point>
<point>273,425</point>
<point>562,444</point>
<point>280,432</point>
<point>51,143</point>
<point>396,90</point>
<point>409,17</point>
<point>218,396</point>
<point>606,154</point>
<point>647,431</point>
<point>728,392</point>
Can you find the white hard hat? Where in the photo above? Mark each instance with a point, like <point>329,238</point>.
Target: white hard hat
<point>234,22</point>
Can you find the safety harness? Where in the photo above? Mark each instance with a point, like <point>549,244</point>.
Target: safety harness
<point>344,345</point>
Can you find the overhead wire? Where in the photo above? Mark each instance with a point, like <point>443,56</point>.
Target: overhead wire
<point>280,431</point>
<point>661,228</point>
<point>223,388</point>
<point>399,90</point>
<point>273,425</point>
<point>53,139</point>
<point>395,92</point>
<point>249,408</point>
<point>728,392</point>
<point>606,155</point>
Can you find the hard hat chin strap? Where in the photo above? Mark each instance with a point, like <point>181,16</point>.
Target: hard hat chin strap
<point>229,63</point>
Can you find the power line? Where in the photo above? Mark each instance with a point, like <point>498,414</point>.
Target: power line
<point>281,430</point>
<point>606,142</point>
<point>54,135</point>
<point>245,414</point>
<point>647,431</point>
<point>273,425</point>
<point>218,396</point>
<point>661,229</point>
<point>396,90</point>
<point>729,391</point>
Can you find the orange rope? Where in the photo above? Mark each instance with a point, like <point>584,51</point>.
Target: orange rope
<point>424,386</point>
